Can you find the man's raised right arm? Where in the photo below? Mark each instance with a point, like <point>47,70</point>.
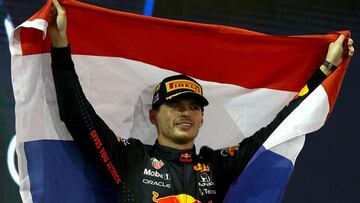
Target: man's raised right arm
<point>94,138</point>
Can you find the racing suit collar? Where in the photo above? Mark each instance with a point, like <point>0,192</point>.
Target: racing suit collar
<point>174,155</point>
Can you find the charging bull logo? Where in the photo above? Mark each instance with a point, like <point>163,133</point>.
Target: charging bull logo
<point>186,157</point>
<point>181,198</point>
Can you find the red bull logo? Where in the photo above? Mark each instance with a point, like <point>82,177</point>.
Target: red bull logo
<point>181,198</point>
<point>201,167</point>
<point>186,157</point>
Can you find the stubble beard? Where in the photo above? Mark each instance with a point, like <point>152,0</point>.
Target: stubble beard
<point>183,137</point>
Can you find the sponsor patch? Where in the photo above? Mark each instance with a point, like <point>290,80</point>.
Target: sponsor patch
<point>186,157</point>
<point>183,84</point>
<point>164,176</point>
<point>205,180</point>
<point>229,151</point>
<point>156,97</point>
<point>157,164</point>
<point>204,191</point>
<point>156,183</point>
<point>201,167</point>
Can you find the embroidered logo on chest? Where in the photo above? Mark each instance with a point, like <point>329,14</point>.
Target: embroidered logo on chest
<point>201,167</point>
<point>157,164</point>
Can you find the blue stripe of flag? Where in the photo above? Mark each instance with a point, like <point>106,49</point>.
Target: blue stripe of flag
<point>263,180</point>
<point>59,174</point>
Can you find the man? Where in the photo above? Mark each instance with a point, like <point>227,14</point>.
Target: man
<point>170,170</point>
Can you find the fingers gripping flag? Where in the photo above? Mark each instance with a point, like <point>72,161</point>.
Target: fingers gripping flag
<point>119,57</point>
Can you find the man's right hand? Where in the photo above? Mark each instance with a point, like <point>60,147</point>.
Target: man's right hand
<point>57,26</point>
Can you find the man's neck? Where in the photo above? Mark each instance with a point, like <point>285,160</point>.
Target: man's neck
<point>164,142</point>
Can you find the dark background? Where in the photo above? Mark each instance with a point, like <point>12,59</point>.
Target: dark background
<point>328,168</point>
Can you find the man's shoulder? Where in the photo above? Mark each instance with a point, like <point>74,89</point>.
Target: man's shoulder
<point>206,152</point>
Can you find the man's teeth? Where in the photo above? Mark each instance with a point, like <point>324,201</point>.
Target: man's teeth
<point>185,124</point>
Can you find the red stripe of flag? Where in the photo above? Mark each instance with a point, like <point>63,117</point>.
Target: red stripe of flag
<point>209,52</point>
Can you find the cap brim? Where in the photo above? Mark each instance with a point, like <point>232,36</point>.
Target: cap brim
<point>201,99</point>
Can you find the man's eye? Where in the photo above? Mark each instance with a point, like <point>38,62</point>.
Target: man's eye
<point>195,107</point>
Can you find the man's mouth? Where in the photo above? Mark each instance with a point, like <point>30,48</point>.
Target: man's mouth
<point>184,124</point>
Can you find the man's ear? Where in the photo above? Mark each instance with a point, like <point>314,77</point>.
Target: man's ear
<point>152,116</point>
<point>202,119</point>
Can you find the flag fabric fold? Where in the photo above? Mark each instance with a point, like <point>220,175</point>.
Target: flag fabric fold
<point>248,77</point>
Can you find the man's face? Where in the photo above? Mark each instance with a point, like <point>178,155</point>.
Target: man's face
<point>178,122</point>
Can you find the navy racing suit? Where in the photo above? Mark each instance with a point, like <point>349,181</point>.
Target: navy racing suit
<point>155,173</point>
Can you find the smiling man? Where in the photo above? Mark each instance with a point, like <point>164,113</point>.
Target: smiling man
<point>177,111</point>
<point>170,170</point>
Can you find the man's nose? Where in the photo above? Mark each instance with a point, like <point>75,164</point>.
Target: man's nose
<point>184,109</point>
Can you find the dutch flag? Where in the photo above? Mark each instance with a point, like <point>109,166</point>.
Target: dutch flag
<point>248,77</point>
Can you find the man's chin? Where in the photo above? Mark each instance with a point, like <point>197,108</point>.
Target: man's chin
<point>184,138</point>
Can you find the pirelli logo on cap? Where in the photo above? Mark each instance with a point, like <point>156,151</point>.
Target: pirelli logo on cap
<point>183,84</point>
